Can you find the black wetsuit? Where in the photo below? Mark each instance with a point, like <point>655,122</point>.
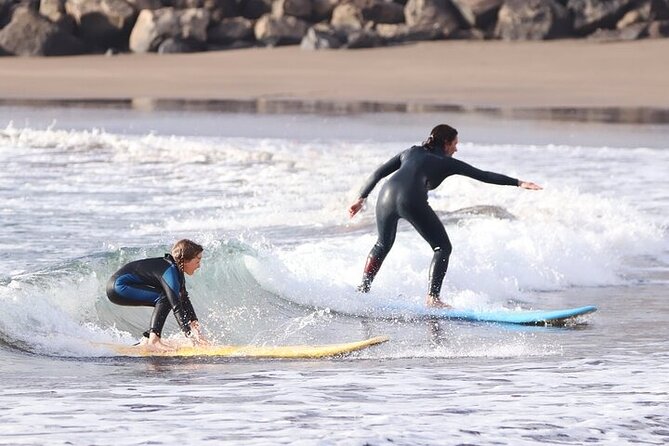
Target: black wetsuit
<point>155,282</point>
<point>404,195</point>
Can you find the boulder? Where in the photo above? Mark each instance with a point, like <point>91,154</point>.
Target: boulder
<point>30,34</point>
<point>145,4</point>
<point>590,15</point>
<point>348,16</point>
<point>154,27</point>
<point>659,9</point>
<point>479,13</point>
<point>381,11</point>
<point>4,12</point>
<point>54,10</point>
<point>297,8</point>
<point>273,31</point>
<point>230,30</point>
<point>322,9</point>
<point>440,13</point>
<point>102,23</point>
<point>632,32</point>
<point>532,20</point>
<point>254,9</point>
<point>362,38</point>
<point>321,37</point>
<point>399,33</point>
<point>173,45</point>
<point>658,29</point>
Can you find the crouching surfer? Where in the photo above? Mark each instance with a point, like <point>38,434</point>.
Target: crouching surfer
<point>160,283</point>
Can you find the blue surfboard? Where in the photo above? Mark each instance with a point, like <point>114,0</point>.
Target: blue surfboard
<point>524,317</point>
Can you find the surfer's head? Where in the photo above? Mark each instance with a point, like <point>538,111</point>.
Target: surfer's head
<point>188,255</point>
<point>443,138</point>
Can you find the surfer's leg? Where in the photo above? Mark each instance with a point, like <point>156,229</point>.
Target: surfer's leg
<point>387,226</point>
<point>432,230</point>
<point>160,311</point>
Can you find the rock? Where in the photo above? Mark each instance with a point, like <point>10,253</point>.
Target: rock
<point>30,34</point>
<point>4,12</point>
<point>658,29</point>
<point>479,13</point>
<point>532,20</point>
<point>440,13</point>
<point>273,31</point>
<point>230,30</point>
<point>632,17</point>
<point>398,33</point>
<point>194,23</point>
<point>102,23</point>
<point>362,38</point>
<point>154,27</point>
<point>54,10</point>
<point>659,9</point>
<point>381,11</point>
<point>145,4</point>
<point>632,32</point>
<point>322,9</point>
<point>254,9</point>
<point>297,8</point>
<point>321,37</point>
<point>590,15</point>
<point>348,16</point>
<point>177,45</point>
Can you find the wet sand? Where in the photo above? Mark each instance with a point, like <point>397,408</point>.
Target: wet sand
<point>556,74</point>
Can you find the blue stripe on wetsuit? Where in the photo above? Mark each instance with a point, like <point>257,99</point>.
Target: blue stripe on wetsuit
<point>171,278</point>
<point>127,286</point>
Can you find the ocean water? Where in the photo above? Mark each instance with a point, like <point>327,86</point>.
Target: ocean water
<point>84,190</point>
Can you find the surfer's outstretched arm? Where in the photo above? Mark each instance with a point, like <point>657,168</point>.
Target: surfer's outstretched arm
<point>381,172</point>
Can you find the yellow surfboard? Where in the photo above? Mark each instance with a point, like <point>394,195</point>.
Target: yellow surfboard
<point>252,351</point>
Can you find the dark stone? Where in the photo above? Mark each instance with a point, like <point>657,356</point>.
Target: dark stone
<point>174,45</point>
<point>380,11</point>
<point>658,29</point>
<point>437,13</point>
<point>30,34</point>
<point>632,32</point>
<point>254,9</point>
<point>321,37</point>
<point>590,15</point>
<point>230,30</point>
<point>362,38</point>
<point>478,13</point>
<point>532,20</point>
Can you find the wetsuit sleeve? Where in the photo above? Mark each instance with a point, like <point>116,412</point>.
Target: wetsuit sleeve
<point>189,310</point>
<point>462,168</point>
<point>381,172</point>
<point>172,286</point>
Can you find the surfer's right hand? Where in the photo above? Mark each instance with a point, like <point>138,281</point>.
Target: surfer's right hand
<point>355,207</point>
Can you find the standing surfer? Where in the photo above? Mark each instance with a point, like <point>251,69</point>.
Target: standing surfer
<point>417,170</point>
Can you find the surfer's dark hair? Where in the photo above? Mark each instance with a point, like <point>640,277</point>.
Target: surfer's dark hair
<point>443,133</point>
<point>185,250</point>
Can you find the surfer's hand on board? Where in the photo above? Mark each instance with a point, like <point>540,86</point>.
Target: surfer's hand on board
<point>355,207</point>
<point>196,334</point>
<point>529,185</point>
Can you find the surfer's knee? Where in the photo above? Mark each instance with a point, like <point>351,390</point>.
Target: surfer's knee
<point>443,249</point>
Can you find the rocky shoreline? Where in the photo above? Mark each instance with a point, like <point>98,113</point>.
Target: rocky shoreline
<point>71,27</point>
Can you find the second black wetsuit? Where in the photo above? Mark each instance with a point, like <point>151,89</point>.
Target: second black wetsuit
<point>155,282</point>
<point>404,195</point>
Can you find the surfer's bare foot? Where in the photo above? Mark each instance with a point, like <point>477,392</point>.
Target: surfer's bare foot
<point>435,302</point>
<point>156,344</point>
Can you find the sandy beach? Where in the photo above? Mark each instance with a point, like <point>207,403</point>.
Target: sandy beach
<point>554,74</point>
